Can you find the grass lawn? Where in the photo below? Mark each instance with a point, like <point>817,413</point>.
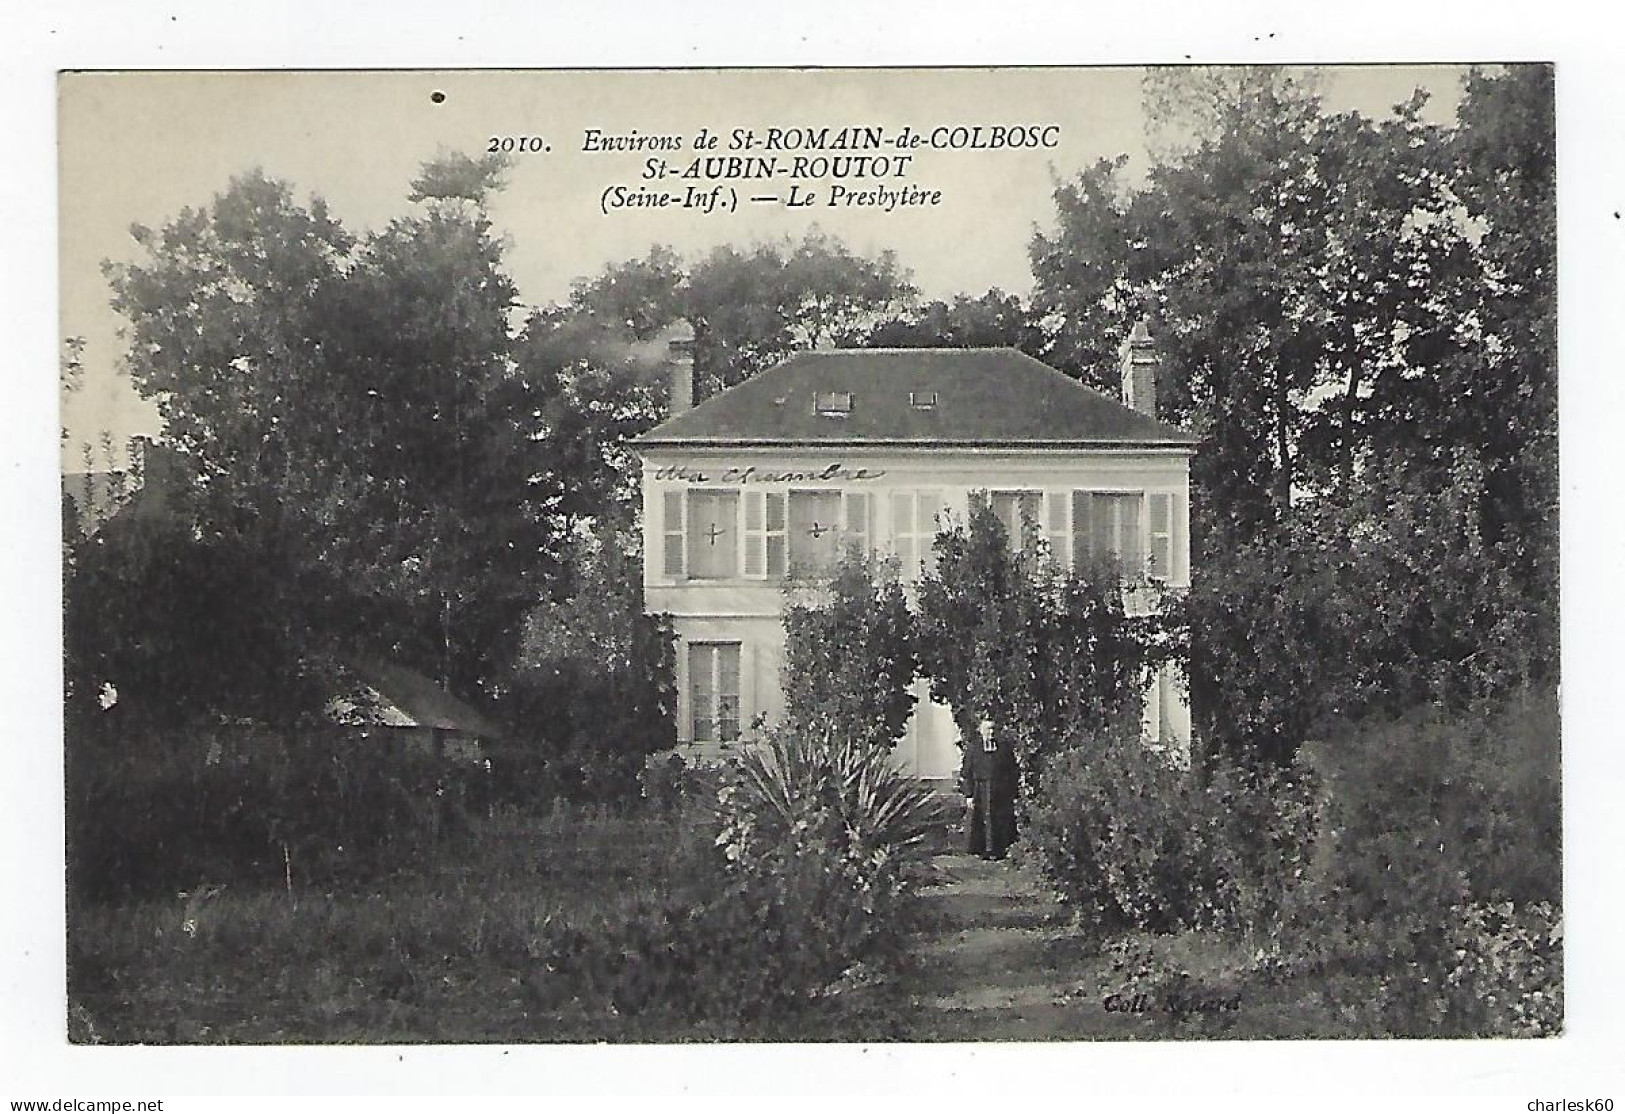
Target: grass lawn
<point>453,948</point>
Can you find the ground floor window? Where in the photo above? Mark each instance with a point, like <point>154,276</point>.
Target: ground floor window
<point>713,688</point>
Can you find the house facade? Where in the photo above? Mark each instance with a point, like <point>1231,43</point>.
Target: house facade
<point>878,449</point>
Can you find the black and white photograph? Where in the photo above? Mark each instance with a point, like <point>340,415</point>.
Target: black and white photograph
<point>761,572</point>
<point>822,555</point>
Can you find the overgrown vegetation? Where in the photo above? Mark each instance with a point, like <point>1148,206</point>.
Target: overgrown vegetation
<point>1133,841</point>
<point>1047,654</point>
<point>850,655</point>
<point>1401,879</point>
<point>767,914</point>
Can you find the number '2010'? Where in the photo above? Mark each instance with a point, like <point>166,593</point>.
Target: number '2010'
<point>507,144</point>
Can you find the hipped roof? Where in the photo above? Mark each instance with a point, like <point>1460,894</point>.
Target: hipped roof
<point>984,397</point>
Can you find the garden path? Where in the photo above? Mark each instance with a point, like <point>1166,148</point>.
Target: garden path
<point>999,960</point>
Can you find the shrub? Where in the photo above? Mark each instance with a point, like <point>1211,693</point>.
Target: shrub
<point>1436,810</point>
<point>1132,841</point>
<point>849,654</point>
<point>1441,871</point>
<point>1505,973</point>
<point>816,842</point>
<point>1114,830</point>
<point>161,811</point>
<point>840,799</point>
<point>1261,826</point>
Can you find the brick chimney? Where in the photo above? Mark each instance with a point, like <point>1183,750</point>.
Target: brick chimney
<point>679,341</point>
<point>1139,370</point>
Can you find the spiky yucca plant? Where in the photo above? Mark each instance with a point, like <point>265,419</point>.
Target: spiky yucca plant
<point>804,781</point>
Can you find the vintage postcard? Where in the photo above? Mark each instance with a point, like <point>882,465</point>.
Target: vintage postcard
<point>882,556</point>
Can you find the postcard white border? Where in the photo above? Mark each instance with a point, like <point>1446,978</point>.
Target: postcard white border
<point>415,33</point>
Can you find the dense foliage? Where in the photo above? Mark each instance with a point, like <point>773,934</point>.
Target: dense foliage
<point>167,628</point>
<point>1389,599</point>
<point>849,655</point>
<point>1048,655</point>
<point>1356,317</point>
<point>343,407</point>
<point>1409,869</point>
<point>588,721</point>
<point>1133,841</point>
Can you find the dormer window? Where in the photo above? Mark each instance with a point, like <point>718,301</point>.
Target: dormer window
<point>923,400</point>
<point>832,404</point>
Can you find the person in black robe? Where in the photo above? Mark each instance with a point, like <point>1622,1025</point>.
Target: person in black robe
<point>990,775</point>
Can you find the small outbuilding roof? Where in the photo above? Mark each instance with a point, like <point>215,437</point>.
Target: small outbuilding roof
<point>927,396</point>
<point>400,697</point>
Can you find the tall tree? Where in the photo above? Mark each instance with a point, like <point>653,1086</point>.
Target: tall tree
<point>1083,297</point>
<point>430,499</point>
<point>752,308</point>
<point>346,409</point>
<point>1358,317</point>
<point>1297,263</point>
<point>993,320</point>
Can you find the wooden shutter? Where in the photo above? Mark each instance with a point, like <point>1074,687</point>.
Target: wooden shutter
<point>1165,706</point>
<point>1131,537</point>
<point>727,691</point>
<point>773,532</point>
<point>855,508</point>
<point>1055,503</point>
<point>903,533</point>
<point>1160,510</point>
<point>672,527</point>
<point>928,504</point>
<point>754,559</point>
<point>1083,538</point>
<point>702,690</point>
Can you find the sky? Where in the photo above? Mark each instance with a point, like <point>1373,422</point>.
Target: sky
<point>137,148</point>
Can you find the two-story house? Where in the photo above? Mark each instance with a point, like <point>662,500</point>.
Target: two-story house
<point>876,448</point>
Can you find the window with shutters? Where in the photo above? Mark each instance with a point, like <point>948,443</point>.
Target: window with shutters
<point>914,530</point>
<point>1107,529</point>
<point>713,534</point>
<point>1018,512</point>
<point>713,690</point>
<point>815,532</point>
